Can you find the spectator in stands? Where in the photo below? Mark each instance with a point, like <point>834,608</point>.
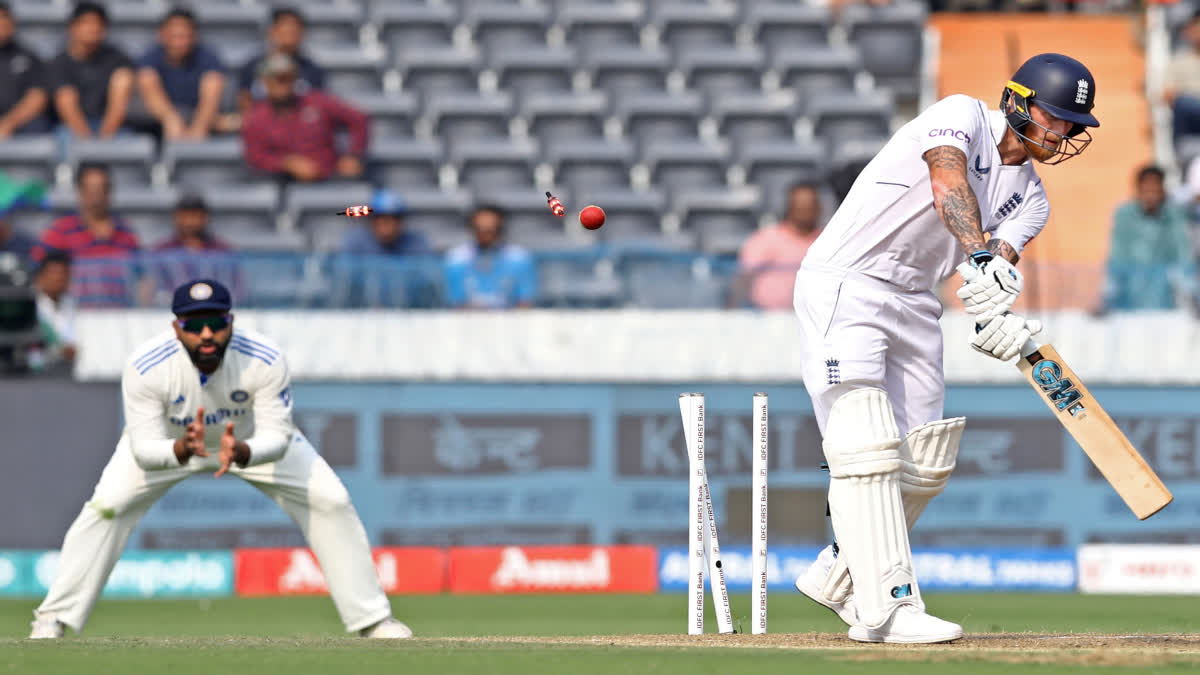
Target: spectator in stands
<point>192,253</point>
<point>191,231</point>
<point>285,35</point>
<point>771,256</point>
<point>56,307</point>
<point>292,132</point>
<point>23,95</point>
<point>387,233</point>
<point>101,245</point>
<point>15,241</point>
<point>91,81</point>
<point>1181,90</point>
<point>487,273</point>
<point>181,81</point>
<point>1150,248</point>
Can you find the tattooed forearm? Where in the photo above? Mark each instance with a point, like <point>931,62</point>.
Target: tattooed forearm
<point>1003,249</point>
<point>953,197</point>
<point>960,212</point>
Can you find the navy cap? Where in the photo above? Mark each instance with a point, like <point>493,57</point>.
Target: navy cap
<point>201,295</point>
<point>388,203</point>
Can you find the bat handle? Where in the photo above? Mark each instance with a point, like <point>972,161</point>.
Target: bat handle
<point>1029,347</point>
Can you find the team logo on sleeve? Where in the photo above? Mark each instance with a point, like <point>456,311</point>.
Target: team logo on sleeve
<point>239,396</point>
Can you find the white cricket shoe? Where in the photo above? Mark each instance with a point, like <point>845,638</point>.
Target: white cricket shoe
<point>908,625</point>
<point>388,629</point>
<point>813,580</point>
<point>46,629</point>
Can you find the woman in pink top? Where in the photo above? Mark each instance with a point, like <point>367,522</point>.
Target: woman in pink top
<point>770,257</point>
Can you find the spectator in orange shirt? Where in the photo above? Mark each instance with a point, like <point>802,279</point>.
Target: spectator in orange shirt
<point>771,256</point>
<point>292,132</point>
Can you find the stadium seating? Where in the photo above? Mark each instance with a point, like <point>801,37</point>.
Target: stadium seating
<point>685,119</point>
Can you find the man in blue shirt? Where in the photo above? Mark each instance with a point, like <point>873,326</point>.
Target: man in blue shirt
<point>487,273</point>
<point>15,241</point>
<point>285,34</point>
<point>387,233</point>
<point>181,82</point>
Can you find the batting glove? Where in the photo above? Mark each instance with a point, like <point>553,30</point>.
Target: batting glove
<point>1003,336</point>
<point>990,285</point>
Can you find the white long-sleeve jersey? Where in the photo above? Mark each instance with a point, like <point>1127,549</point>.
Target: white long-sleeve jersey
<point>887,226</point>
<point>162,389</point>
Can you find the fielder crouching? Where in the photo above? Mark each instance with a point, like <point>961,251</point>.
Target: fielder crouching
<point>871,341</point>
<point>202,397</point>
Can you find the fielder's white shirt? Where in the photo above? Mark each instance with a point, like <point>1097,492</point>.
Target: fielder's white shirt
<point>887,227</point>
<point>162,390</point>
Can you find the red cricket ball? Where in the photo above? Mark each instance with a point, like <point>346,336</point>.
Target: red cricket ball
<point>591,217</point>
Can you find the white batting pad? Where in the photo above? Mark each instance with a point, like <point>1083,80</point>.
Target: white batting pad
<point>862,447</point>
<point>934,449</point>
<point>929,454</point>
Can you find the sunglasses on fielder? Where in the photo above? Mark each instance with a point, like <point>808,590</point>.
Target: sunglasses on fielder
<point>197,324</point>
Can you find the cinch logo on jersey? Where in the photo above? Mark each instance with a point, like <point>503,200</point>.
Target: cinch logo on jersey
<point>1061,391</point>
<point>219,415</point>
<point>960,135</point>
<point>1009,206</point>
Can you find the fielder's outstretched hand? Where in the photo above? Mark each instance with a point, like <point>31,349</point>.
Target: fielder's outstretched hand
<point>228,450</point>
<point>192,442</point>
<point>989,287</point>
<point>1003,336</point>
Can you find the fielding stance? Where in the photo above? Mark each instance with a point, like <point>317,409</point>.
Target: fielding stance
<point>242,381</point>
<point>872,345</point>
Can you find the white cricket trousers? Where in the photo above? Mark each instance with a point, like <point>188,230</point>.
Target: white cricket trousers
<point>860,331</point>
<point>301,482</point>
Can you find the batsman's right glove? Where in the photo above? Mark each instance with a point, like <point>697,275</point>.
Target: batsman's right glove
<point>1003,336</point>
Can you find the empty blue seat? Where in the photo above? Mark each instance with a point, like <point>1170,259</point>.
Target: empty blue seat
<point>469,115</point>
<point>560,117</point>
<point>601,24</point>
<point>755,117</point>
<point>487,162</point>
<point>720,71</point>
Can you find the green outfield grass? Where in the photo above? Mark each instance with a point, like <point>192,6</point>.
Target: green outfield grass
<point>294,636</point>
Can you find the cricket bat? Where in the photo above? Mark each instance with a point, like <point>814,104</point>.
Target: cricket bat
<point>1118,461</point>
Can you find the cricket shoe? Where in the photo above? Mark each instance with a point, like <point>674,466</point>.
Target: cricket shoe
<point>46,629</point>
<point>908,625</point>
<point>388,629</point>
<point>812,581</point>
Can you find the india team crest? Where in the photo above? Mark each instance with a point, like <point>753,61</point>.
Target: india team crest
<point>200,291</point>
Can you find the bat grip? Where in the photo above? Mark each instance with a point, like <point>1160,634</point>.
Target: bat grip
<point>1029,347</point>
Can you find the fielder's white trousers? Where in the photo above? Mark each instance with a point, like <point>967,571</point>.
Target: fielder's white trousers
<point>859,331</point>
<point>301,482</point>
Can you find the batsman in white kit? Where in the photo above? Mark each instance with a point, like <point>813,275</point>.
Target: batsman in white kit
<point>871,342</point>
<point>206,397</point>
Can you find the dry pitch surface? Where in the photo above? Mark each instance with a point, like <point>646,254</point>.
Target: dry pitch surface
<point>1081,648</point>
<point>600,634</point>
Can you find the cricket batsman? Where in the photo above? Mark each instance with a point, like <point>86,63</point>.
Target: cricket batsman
<point>954,189</point>
<point>204,397</point>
